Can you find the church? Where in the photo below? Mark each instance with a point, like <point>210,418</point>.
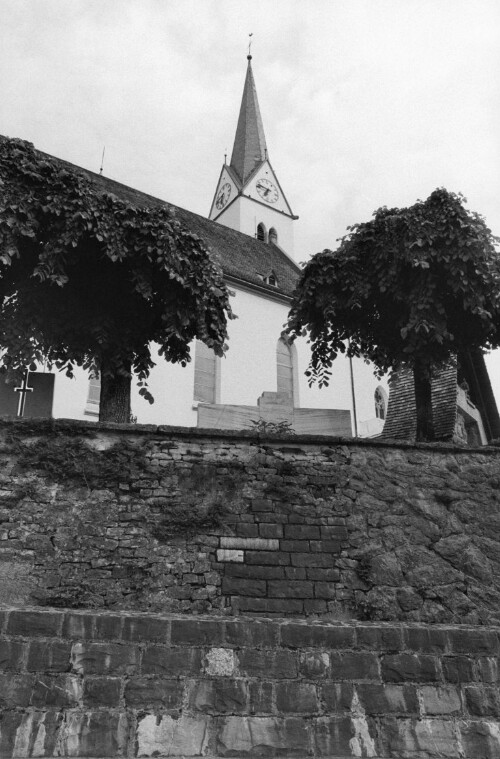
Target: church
<point>249,232</point>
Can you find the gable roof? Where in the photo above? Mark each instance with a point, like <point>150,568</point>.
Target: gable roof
<point>249,143</point>
<point>241,257</point>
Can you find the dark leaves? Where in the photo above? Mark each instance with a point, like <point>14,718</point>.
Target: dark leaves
<point>412,285</point>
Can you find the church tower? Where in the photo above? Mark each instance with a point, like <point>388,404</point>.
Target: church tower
<point>249,197</point>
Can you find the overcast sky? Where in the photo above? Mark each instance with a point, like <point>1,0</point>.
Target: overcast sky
<point>364,102</point>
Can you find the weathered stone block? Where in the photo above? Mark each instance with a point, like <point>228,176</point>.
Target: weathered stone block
<point>48,656</point>
<point>482,701</point>
<point>260,697</point>
<point>477,640</point>
<point>296,697</point>
<point>270,530</point>
<point>442,699</point>
<point>337,697</point>
<point>61,691</point>
<point>146,629</point>
<point>419,738</point>
<point>323,574</point>
<point>458,669</point>
<point>97,734</point>
<point>488,669</point>
<point>220,662</point>
<point>250,530</point>
<point>294,635</point>
<point>388,699</point>
<point>274,558</point>
<point>302,532</point>
<point>267,664</point>
<point>354,665</point>
<point>239,586</point>
<point>101,691</point>
<point>274,606</point>
<point>290,589</point>
<point>78,625</point>
<point>410,668</point>
<point>163,735</point>
<point>251,544</point>
<point>29,734</point>
<point>312,560</point>
<point>255,571</point>
<point>176,662</point>
<point>108,627</point>
<point>426,640</point>
<point>254,736</point>
<point>480,740</point>
<point>332,737</point>
<point>258,634</point>
<point>15,690</point>
<point>11,655</point>
<point>223,696</point>
<point>144,693</point>
<point>295,546</point>
<point>379,638</point>
<point>325,590</point>
<point>230,555</point>
<point>192,632</point>
<point>30,624</point>
<point>104,658</point>
<point>314,664</point>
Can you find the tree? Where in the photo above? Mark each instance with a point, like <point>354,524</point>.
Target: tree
<point>411,288</point>
<point>89,280</point>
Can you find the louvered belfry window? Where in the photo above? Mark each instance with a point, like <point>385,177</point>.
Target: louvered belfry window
<point>285,367</point>
<point>204,373</point>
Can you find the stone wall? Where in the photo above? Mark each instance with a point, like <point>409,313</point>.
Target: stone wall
<point>189,521</point>
<point>82,684</point>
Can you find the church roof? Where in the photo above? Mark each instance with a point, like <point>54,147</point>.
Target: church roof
<point>249,143</point>
<point>241,257</point>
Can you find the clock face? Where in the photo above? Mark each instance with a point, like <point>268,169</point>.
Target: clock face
<point>223,195</point>
<point>267,190</point>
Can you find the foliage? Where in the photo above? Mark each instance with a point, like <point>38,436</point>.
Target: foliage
<point>89,280</point>
<point>272,428</point>
<point>63,459</point>
<point>414,283</point>
<point>409,288</point>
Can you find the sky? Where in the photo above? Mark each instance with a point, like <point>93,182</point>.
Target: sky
<point>365,103</point>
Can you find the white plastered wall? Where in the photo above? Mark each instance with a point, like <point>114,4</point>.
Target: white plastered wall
<point>248,369</point>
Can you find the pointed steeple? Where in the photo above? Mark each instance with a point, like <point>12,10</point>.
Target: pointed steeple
<point>249,144</point>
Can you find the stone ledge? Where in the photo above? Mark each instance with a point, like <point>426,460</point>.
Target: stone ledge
<point>40,426</point>
<point>281,632</point>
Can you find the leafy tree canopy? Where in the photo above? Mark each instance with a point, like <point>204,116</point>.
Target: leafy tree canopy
<point>411,287</point>
<point>89,280</point>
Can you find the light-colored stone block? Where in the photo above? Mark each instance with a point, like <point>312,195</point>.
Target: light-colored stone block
<point>227,554</point>
<point>220,662</point>
<point>251,544</point>
<point>166,736</point>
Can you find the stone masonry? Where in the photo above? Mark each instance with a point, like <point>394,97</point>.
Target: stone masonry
<point>83,684</point>
<point>171,520</point>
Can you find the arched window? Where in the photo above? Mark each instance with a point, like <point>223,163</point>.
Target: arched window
<point>271,279</point>
<point>285,367</point>
<point>205,374</point>
<point>380,403</point>
<point>261,232</point>
<point>273,236</point>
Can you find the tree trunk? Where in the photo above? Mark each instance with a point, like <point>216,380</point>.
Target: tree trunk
<point>114,403</point>
<point>423,403</point>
